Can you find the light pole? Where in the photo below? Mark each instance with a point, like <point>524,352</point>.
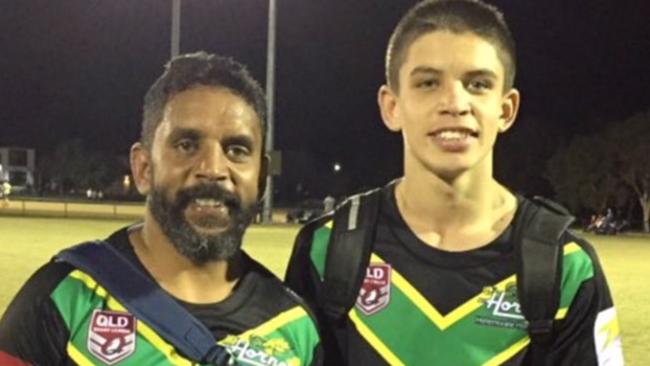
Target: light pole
<point>267,212</point>
<point>176,27</point>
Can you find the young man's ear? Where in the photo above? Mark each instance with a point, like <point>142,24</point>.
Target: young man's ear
<point>509,109</point>
<point>387,100</point>
<point>261,182</point>
<point>141,167</point>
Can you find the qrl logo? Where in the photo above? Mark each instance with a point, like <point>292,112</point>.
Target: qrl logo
<point>111,337</point>
<point>374,294</point>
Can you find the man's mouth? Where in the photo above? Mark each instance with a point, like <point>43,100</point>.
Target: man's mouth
<point>451,134</point>
<point>454,139</point>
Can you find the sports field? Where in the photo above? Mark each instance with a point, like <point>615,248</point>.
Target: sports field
<point>26,243</point>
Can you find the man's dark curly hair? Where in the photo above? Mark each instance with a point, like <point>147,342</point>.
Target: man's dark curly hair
<point>186,71</point>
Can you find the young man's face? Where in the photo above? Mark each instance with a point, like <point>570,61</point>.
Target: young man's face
<point>205,165</point>
<point>451,104</point>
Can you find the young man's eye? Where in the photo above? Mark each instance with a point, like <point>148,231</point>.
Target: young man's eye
<point>479,85</point>
<point>426,84</point>
<point>238,152</point>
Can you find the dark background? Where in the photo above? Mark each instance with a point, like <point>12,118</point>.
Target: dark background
<point>77,69</point>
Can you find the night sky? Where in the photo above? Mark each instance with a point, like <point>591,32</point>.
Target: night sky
<point>79,68</point>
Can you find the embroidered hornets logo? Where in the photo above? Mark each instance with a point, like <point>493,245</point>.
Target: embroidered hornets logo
<point>374,294</point>
<point>111,337</point>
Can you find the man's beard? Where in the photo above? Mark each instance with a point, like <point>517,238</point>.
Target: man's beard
<point>197,247</point>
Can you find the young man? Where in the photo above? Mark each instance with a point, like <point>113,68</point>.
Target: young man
<point>200,163</point>
<point>440,284</point>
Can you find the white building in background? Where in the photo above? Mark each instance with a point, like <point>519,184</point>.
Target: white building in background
<point>17,165</point>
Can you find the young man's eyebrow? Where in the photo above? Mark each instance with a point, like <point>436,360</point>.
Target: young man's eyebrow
<point>185,133</point>
<point>482,73</point>
<point>425,70</point>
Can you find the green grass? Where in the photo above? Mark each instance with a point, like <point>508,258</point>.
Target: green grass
<point>27,243</point>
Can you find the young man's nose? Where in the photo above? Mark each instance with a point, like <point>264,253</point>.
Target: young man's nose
<point>213,164</point>
<point>453,99</point>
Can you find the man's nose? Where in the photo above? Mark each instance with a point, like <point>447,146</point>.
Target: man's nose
<point>454,100</point>
<point>213,164</point>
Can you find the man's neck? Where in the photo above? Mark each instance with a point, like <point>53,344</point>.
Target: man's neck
<point>176,274</point>
<point>462,214</point>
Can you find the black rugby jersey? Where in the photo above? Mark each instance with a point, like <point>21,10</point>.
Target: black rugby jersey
<point>62,316</point>
<point>419,305</point>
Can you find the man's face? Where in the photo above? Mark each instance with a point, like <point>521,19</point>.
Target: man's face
<point>205,171</point>
<point>451,105</point>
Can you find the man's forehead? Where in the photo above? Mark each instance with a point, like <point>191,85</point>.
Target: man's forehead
<point>446,51</point>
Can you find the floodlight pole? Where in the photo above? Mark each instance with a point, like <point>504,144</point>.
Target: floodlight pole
<point>267,212</point>
<point>176,27</point>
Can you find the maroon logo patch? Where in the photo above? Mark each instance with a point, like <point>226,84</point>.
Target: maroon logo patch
<point>111,336</point>
<point>375,290</point>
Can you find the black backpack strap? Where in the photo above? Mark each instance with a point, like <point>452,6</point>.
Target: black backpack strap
<point>538,230</point>
<point>146,300</point>
<point>349,251</point>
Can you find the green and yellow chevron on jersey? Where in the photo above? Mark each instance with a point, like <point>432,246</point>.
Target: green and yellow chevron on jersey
<point>410,330</point>
<point>286,339</point>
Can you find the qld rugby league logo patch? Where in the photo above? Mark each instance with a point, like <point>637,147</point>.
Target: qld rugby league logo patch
<point>111,337</point>
<point>374,294</point>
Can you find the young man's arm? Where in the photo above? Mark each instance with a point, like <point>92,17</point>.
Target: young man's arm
<point>589,335</point>
<point>32,332</point>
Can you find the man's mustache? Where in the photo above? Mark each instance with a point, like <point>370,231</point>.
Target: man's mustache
<point>208,191</point>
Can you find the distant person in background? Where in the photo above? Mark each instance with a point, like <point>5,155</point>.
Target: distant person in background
<point>201,164</point>
<point>328,203</point>
<point>5,190</point>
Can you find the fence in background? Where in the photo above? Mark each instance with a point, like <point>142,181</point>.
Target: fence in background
<point>103,210</point>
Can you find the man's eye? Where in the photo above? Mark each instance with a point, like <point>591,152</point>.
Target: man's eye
<point>479,85</point>
<point>186,146</point>
<point>426,84</point>
<point>238,151</point>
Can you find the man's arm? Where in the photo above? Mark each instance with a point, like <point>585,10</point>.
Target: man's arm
<point>304,278</point>
<point>589,335</point>
<point>32,331</point>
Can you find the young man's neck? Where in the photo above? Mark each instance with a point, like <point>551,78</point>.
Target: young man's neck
<point>457,214</point>
<point>208,283</point>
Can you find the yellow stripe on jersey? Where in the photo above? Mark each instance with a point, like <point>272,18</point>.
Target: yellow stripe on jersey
<point>441,321</point>
<point>570,248</point>
<point>508,353</point>
<point>445,321</point>
<point>276,322</point>
<point>77,356</point>
<point>149,334</point>
<point>374,341</point>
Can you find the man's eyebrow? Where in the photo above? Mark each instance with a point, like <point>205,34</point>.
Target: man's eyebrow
<point>243,140</point>
<point>185,133</point>
<point>425,70</point>
<point>482,73</point>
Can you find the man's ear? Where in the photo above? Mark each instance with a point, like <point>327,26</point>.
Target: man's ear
<point>264,169</point>
<point>141,167</point>
<point>509,110</point>
<point>387,100</point>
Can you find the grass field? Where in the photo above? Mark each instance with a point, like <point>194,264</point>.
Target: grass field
<point>26,243</point>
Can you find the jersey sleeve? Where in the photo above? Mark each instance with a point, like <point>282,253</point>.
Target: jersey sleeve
<point>588,333</point>
<point>32,332</point>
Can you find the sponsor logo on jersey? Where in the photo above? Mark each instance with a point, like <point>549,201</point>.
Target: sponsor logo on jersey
<point>374,294</point>
<point>256,351</point>
<point>503,308</point>
<point>111,336</point>
<point>607,337</point>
